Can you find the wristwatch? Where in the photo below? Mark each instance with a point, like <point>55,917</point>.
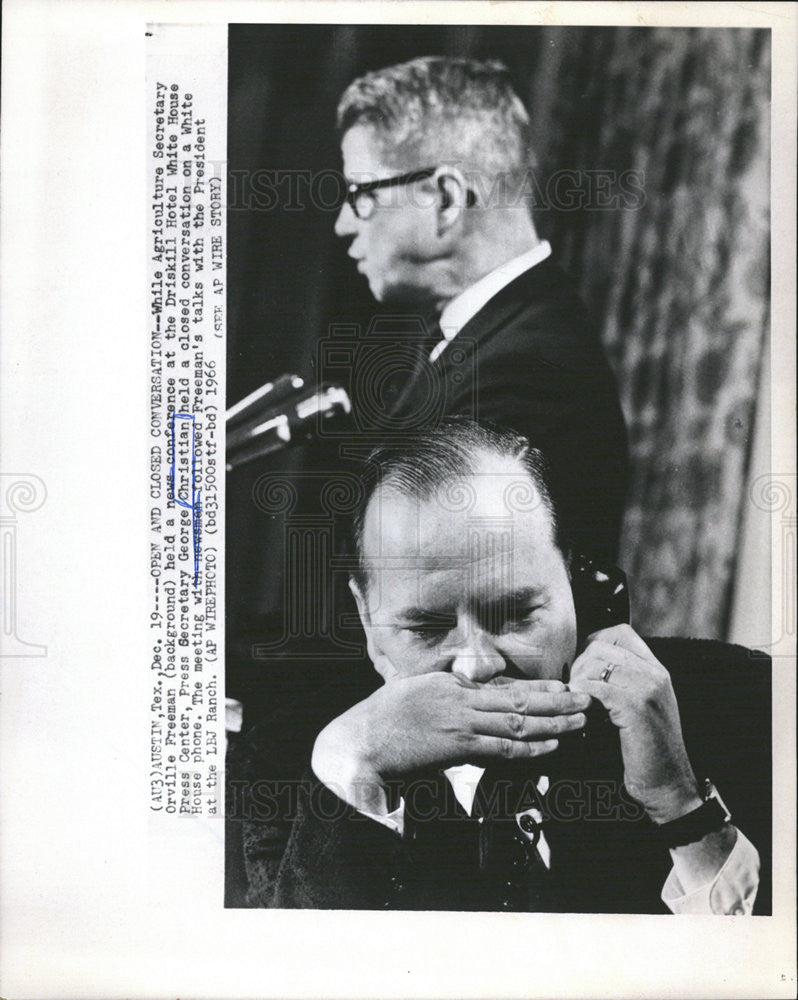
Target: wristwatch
<point>710,816</point>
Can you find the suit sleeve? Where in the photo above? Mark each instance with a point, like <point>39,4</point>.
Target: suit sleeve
<point>570,412</point>
<point>284,819</point>
<point>724,697</point>
<point>326,856</point>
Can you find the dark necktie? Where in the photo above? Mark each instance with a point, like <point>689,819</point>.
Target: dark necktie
<point>412,405</point>
<point>508,842</point>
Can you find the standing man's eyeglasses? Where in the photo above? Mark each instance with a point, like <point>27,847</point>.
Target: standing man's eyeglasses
<point>360,197</point>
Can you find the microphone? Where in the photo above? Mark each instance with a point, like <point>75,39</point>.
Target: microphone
<point>279,415</point>
<point>266,396</point>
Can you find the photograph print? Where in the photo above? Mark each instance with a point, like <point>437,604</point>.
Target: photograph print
<point>497,381</point>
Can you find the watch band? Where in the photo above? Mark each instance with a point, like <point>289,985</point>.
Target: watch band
<point>710,816</point>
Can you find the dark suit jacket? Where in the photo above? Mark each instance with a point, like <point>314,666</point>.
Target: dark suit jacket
<point>306,848</point>
<point>530,359</point>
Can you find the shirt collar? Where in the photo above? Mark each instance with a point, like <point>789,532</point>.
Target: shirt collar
<point>468,303</point>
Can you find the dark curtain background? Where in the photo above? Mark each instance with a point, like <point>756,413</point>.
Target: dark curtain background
<point>678,283</point>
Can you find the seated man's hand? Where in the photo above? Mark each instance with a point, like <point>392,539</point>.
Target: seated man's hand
<point>437,720</point>
<point>641,703</point>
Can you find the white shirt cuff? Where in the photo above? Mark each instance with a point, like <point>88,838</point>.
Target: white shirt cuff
<point>393,820</point>
<point>732,891</point>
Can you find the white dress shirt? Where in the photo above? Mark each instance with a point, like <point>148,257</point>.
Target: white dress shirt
<point>468,303</point>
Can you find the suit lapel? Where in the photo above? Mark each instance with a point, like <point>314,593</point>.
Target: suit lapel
<point>505,306</point>
<point>424,394</point>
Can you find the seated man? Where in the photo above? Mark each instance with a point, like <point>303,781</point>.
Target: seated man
<point>508,761</point>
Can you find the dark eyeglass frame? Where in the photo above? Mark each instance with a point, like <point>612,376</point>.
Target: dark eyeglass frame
<point>355,190</point>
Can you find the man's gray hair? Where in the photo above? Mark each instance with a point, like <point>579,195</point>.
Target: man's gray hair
<point>435,110</point>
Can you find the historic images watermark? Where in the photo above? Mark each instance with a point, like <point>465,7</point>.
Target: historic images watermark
<point>776,495</point>
<point>563,190</point>
<point>20,494</point>
<point>564,800</point>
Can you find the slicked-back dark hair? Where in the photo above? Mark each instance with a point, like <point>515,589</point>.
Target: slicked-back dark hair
<point>421,464</point>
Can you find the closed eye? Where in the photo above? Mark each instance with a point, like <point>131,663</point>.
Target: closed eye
<point>512,611</point>
<point>520,620</point>
<point>430,632</point>
<point>500,620</point>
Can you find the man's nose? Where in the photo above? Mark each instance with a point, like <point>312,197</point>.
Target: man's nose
<point>346,223</point>
<point>476,656</point>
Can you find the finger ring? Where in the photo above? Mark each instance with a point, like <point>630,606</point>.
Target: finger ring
<point>606,673</point>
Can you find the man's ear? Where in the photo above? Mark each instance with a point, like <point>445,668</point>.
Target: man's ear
<point>362,606</point>
<point>381,663</point>
<point>453,196</point>
<point>568,559</point>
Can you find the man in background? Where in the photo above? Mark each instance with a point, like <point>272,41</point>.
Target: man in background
<point>436,154</point>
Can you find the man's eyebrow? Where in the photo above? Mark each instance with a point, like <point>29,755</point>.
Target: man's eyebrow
<point>522,596</point>
<point>415,614</point>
